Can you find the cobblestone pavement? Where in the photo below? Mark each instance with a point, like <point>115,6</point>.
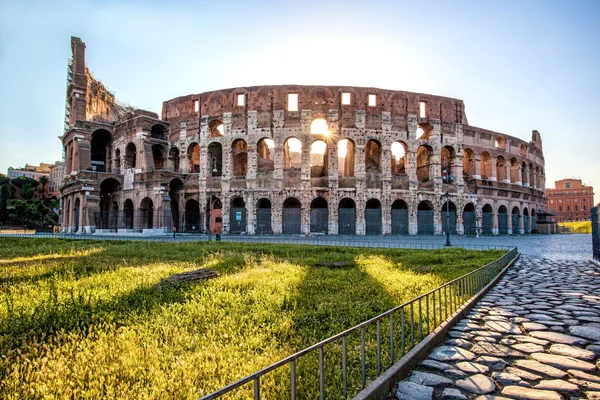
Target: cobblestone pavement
<point>535,335</point>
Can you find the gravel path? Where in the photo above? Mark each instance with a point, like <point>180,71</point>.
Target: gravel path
<point>535,335</point>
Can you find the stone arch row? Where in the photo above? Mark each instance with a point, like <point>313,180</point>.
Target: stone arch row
<point>507,219</point>
<point>502,169</point>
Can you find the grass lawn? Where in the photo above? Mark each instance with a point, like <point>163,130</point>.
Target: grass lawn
<point>578,227</point>
<point>86,319</point>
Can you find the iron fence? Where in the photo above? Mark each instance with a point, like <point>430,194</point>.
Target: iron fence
<point>596,233</point>
<point>136,221</point>
<point>344,363</point>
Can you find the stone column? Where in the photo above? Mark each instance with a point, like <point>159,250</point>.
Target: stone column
<point>521,225</point>
<point>494,176</point>
<point>509,223</point>
<point>250,213</point>
<point>495,223</point>
<point>386,215</point>
<point>507,167</point>
<point>477,174</point>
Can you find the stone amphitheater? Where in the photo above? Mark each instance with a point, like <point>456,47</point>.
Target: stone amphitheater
<point>291,159</point>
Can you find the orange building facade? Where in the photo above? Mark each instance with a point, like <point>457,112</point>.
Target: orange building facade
<point>570,200</point>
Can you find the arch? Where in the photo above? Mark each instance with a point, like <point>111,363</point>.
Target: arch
<point>128,214</point>
<point>66,213</point>
<point>373,156</point>
<point>538,178</point>
<point>447,156</point>
<point>373,224</point>
<point>263,217</point>
<point>398,158</point>
<point>193,220</point>
<point>346,155</point>
<point>531,175</point>
<point>347,217</point>
<point>319,127</point>
<point>469,220</point>
<point>516,215</point>
<point>500,143</point>
<point>130,156</point>
<point>399,218</point>
<point>101,143</point>
<point>158,152</point>
<point>118,160</point>
<point>486,165</point>
<point>193,154</point>
<point>215,159</point>
<point>501,169</point>
<point>319,215</point>
<point>215,128</point>
<point>292,153</point>
<point>514,170</point>
<point>146,213</point>
<point>237,216</point>
<point>449,215</point>
<point>239,153</point>
<point>425,218</point>
<point>76,215</point>
<point>291,216</point>
<point>526,221</point>
<point>424,131</point>
<point>158,132</point>
<point>424,163</point>
<point>215,220</point>
<point>523,149</point>
<point>533,221</point>
<point>502,220</point>
<point>487,220</point>
<point>524,177</point>
<point>468,163</point>
<point>319,159</point>
<point>174,159</point>
<point>107,218</point>
<point>265,152</point>
<point>176,186</point>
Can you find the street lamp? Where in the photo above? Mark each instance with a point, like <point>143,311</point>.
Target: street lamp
<point>213,163</point>
<point>448,178</point>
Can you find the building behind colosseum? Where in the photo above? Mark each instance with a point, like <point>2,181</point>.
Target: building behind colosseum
<point>291,159</point>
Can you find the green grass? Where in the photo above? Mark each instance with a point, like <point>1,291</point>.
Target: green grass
<point>86,319</point>
<point>578,227</point>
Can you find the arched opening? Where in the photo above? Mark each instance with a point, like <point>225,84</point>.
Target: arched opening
<point>237,216</point>
<point>373,224</point>
<point>215,159</point>
<point>66,212</point>
<point>107,219</point>
<point>130,156</point>
<point>216,215</point>
<point>449,217</point>
<point>501,169</point>
<point>526,222</point>
<point>128,214</point>
<point>146,214</point>
<point>319,127</point>
<point>470,220</point>
<point>193,154</point>
<point>291,216</point>
<point>468,163</point>
<point>215,129</point>
<point>538,178</point>
<point>533,228</point>
<point>531,175</point>
<point>76,209</point>
<point>347,217</point>
<point>487,220</point>
<point>239,153</point>
<point>318,159</point>
<point>118,160</point>
<point>516,215</point>
<point>265,149</point>
<point>373,156</point>
<point>158,156</point>
<point>158,132</point>
<point>500,143</point>
<point>486,165</point>
<point>192,216</point>
<point>425,218</point>
<point>174,158</point>
<point>292,153</point>
<point>524,181</point>
<point>423,163</point>
<point>263,217</point>
<point>398,152</point>
<point>447,159</point>
<point>514,170</point>
<point>319,216</point>
<point>346,154</point>
<point>176,188</point>
<point>502,221</point>
<point>523,149</point>
<point>424,132</point>
<point>399,218</point>
<point>101,150</point>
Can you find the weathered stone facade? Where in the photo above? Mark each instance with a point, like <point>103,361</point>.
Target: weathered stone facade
<point>298,159</point>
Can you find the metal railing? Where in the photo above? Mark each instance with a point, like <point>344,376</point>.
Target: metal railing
<point>368,348</point>
<point>596,233</point>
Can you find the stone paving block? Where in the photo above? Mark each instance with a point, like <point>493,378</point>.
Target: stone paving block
<point>590,332</point>
<point>557,385</point>
<point>427,379</point>
<point>451,353</point>
<point>412,391</point>
<point>521,393</point>
<point>572,351</point>
<point>563,362</point>
<point>530,376</point>
<point>478,384</point>
<point>584,375</point>
<point>558,338</point>
<point>452,394</point>
<point>539,368</point>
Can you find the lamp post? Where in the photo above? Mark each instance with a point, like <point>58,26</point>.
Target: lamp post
<point>213,163</point>
<point>448,178</point>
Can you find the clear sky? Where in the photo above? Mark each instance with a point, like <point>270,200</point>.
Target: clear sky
<point>518,65</point>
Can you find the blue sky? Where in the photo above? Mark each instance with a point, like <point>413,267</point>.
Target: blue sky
<point>518,65</point>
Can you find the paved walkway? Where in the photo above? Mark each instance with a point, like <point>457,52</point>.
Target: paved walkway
<point>535,335</point>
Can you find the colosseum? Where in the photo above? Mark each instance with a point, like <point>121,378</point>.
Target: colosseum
<point>291,159</point>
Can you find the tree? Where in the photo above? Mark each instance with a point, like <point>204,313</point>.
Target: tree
<point>4,180</point>
<point>44,182</point>
<point>26,191</point>
<point>3,203</point>
<point>22,180</point>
